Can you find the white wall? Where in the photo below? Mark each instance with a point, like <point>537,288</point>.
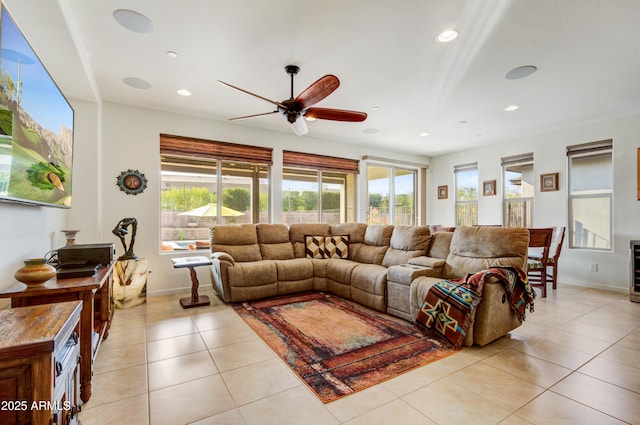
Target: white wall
<point>550,208</point>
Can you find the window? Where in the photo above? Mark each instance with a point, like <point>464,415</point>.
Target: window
<point>391,195</point>
<point>590,172</point>
<point>318,188</point>
<point>205,183</point>
<point>466,194</point>
<point>517,175</point>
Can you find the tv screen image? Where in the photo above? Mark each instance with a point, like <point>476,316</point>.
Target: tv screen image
<point>36,126</point>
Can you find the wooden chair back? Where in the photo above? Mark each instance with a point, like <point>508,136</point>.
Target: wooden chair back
<point>537,270</point>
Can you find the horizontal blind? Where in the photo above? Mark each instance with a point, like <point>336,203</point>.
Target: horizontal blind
<point>592,147</point>
<point>517,159</point>
<point>189,146</point>
<point>465,167</point>
<point>320,162</point>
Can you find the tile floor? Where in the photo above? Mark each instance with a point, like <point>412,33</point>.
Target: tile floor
<point>576,360</point>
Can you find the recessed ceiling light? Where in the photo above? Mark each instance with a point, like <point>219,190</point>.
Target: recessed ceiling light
<point>520,72</point>
<point>133,21</point>
<point>184,92</point>
<point>137,83</point>
<point>376,108</point>
<point>447,36</point>
<point>424,134</point>
<point>512,108</point>
<point>370,130</point>
<point>172,54</point>
<point>463,122</point>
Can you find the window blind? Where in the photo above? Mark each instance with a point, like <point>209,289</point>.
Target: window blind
<point>592,147</point>
<point>320,162</point>
<point>189,146</point>
<point>465,167</point>
<point>517,159</point>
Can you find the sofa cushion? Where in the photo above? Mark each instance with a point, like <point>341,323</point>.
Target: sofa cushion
<point>274,242</point>
<point>406,242</point>
<point>336,246</point>
<point>376,242</point>
<point>240,241</point>
<point>356,233</point>
<point>439,245</point>
<point>475,248</point>
<point>297,232</point>
<point>314,246</point>
<point>292,270</point>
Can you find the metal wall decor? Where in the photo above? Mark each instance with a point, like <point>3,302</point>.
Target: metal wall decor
<point>132,182</point>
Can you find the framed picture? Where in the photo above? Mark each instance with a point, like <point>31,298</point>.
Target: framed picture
<point>488,188</point>
<point>548,182</point>
<point>132,182</point>
<point>443,192</point>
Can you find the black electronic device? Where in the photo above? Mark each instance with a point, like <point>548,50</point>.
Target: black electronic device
<point>76,255</point>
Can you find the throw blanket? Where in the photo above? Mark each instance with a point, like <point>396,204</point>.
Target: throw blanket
<point>447,308</point>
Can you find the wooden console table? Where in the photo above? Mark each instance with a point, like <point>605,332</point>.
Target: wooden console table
<point>191,263</point>
<point>95,292</point>
<point>39,357</point>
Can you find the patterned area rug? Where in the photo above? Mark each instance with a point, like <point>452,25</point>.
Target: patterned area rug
<point>338,347</point>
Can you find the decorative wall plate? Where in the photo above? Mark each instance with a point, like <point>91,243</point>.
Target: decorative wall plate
<point>132,182</point>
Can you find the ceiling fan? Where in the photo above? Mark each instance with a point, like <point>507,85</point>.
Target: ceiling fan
<point>302,106</point>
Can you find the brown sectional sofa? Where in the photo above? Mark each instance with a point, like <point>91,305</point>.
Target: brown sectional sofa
<point>387,268</point>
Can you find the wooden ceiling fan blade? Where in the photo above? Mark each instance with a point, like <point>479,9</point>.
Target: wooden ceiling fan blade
<point>252,94</point>
<point>252,116</point>
<point>317,91</point>
<point>335,114</point>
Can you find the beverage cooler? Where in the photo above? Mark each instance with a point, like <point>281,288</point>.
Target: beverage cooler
<point>634,255</point>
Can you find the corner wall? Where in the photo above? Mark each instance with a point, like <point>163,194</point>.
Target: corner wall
<point>550,208</point>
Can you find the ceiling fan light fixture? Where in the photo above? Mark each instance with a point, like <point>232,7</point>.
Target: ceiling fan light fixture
<point>447,35</point>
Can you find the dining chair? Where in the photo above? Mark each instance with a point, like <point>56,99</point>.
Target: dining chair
<point>539,239</point>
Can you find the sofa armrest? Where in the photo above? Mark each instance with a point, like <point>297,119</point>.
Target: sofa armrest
<point>405,273</point>
<point>427,262</point>
<point>222,256</point>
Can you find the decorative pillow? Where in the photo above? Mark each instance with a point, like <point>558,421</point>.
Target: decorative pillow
<point>314,246</point>
<point>336,246</point>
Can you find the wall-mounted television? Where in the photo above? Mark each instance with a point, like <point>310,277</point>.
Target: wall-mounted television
<point>36,126</point>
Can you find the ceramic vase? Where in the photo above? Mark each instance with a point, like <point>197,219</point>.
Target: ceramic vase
<point>35,272</point>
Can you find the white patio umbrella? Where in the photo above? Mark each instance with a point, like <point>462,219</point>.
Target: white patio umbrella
<point>211,210</point>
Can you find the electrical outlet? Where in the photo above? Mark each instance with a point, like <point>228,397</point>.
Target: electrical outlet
<point>593,267</point>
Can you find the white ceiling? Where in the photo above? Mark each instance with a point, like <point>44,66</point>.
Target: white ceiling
<point>383,51</point>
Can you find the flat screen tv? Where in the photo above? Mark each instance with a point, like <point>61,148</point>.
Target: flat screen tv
<point>36,126</point>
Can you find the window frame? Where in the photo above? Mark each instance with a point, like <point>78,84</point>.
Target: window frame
<point>526,159</point>
<point>457,169</point>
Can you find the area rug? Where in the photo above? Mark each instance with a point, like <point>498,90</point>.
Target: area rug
<point>336,346</point>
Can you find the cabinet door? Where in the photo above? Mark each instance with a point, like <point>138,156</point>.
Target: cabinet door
<point>15,395</point>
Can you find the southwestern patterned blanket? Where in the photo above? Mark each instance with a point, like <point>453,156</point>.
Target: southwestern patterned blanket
<point>447,308</point>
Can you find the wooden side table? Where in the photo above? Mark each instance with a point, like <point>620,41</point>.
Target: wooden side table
<point>191,263</point>
<point>96,295</point>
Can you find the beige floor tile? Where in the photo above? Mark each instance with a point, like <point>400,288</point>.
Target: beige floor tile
<point>618,402</point>
<point>531,369</point>
<point>125,337</point>
<point>189,402</point>
<point>435,402</point>
<point>622,354</point>
<point>552,408</point>
<point>230,417</point>
<point>389,414</point>
<point>178,370</point>
<point>425,375</point>
<point>259,380</point>
<point>603,328</point>
<point>554,353</point>
<point>173,347</point>
<point>502,388</point>
<point>295,406</point>
<point>515,420</point>
<point>109,359</point>
<point>361,402</point>
<point>614,373</point>
<point>171,328</point>
<point>218,319</point>
<point>117,385</point>
<point>228,335</point>
<point>241,354</point>
<point>132,411</point>
<point>578,342</point>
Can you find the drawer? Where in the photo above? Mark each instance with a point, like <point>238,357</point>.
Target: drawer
<point>66,358</point>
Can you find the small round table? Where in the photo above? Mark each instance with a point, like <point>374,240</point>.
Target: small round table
<point>191,263</point>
